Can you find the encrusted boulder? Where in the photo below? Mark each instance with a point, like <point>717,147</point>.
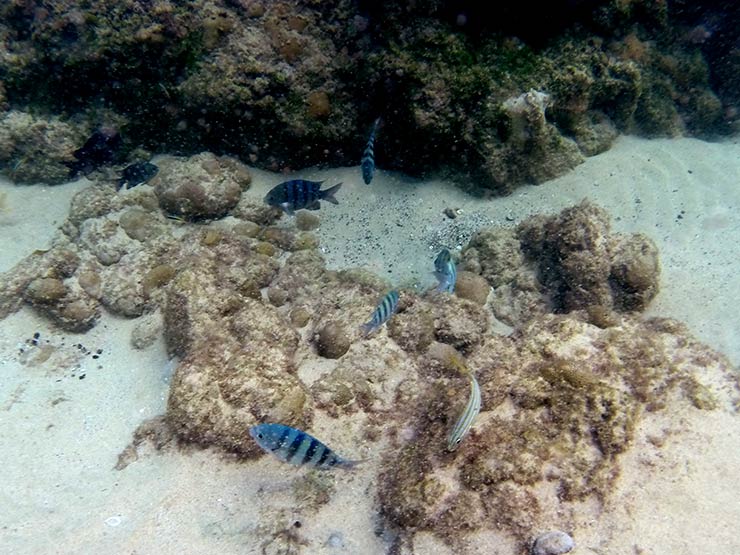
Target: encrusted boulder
<point>203,186</point>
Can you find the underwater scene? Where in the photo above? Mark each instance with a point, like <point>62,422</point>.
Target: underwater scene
<point>351,277</point>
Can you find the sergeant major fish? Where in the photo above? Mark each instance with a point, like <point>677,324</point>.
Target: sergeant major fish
<point>471,410</point>
<point>299,193</point>
<point>368,156</point>
<point>385,309</point>
<point>445,271</point>
<point>296,447</point>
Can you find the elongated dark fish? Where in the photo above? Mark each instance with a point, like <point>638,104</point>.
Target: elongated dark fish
<point>299,193</point>
<point>136,174</point>
<point>385,309</point>
<point>296,447</point>
<point>368,156</point>
<point>445,271</point>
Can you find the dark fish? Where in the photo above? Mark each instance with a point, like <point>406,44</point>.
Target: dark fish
<point>445,271</point>
<point>296,447</point>
<point>385,309</point>
<point>136,174</point>
<point>299,193</point>
<point>368,156</point>
<point>101,148</point>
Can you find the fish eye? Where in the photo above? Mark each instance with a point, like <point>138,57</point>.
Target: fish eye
<point>259,436</point>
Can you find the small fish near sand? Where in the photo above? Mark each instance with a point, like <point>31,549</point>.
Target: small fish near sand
<point>297,194</point>
<point>445,271</point>
<point>136,174</point>
<point>368,156</point>
<point>296,447</point>
<point>385,309</point>
<point>471,410</point>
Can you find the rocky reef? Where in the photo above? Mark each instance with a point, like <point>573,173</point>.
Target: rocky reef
<point>495,102</point>
<point>263,331</point>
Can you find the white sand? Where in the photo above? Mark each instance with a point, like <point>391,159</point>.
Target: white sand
<point>61,435</point>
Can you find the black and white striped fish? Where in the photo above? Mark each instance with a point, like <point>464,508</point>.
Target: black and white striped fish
<point>296,447</point>
<point>445,271</point>
<point>382,313</point>
<point>368,156</point>
<point>297,194</point>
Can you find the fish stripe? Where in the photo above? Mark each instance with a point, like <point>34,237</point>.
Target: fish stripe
<point>465,422</point>
<point>321,449</point>
<point>300,453</point>
<point>283,439</point>
<point>285,451</point>
<point>311,451</point>
<point>324,456</point>
<point>295,444</point>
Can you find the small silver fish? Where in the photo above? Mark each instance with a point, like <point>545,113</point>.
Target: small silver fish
<point>386,308</point>
<point>297,447</point>
<point>469,414</point>
<point>445,271</point>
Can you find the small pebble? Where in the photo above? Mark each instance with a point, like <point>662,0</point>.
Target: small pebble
<point>113,521</point>
<point>335,540</point>
<point>552,543</point>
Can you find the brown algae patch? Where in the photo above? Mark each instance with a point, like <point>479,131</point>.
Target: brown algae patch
<point>561,401</point>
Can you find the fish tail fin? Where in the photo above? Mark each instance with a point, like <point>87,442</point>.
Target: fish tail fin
<point>367,329</point>
<point>328,194</point>
<point>351,464</point>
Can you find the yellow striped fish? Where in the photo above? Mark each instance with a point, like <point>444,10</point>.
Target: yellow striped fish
<point>465,422</point>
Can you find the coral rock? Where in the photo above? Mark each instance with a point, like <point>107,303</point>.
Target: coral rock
<point>202,186</point>
<point>472,287</point>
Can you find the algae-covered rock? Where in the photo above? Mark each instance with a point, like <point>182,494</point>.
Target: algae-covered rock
<point>221,389</point>
<point>69,307</point>
<point>139,224</point>
<point>306,221</point>
<point>570,261</point>
<point>472,287</point>
<point>634,272</point>
<point>284,85</point>
<point>203,186</point>
<point>237,368</point>
<point>34,149</point>
<point>299,316</point>
<point>46,290</point>
<point>414,329</point>
<point>562,401</point>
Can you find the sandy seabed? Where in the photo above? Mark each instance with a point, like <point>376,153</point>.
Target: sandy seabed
<point>64,420</point>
